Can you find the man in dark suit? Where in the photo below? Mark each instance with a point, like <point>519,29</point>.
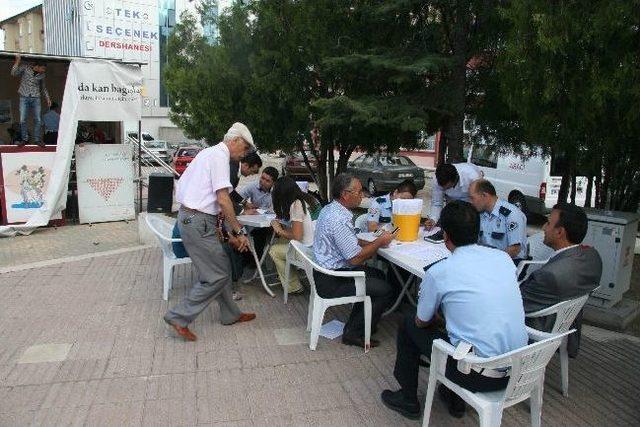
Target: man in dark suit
<point>574,270</point>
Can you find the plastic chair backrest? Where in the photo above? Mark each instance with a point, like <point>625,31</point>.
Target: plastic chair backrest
<point>565,311</point>
<point>361,223</point>
<point>306,255</point>
<point>163,230</point>
<point>526,365</point>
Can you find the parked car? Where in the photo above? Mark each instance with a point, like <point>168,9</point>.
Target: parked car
<point>183,157</point>
<point>158,147</point>
<point>295,167</point>
<point>531,182</point>
<point>383,172</point>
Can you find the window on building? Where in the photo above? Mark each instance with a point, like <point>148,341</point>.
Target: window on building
<point>209,24</point>
<point>20,27</point>
<point>166,21</point>
<point>29,27</point>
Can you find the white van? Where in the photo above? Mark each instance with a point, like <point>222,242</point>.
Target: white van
<point>531,183</point>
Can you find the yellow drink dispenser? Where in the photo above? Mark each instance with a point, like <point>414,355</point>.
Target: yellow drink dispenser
<point>406,216</point>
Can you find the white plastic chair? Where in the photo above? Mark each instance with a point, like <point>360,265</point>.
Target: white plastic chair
<point>163,230</point>
<point>565,312</point>
<point>538,251</point>
<point>318,305</point>
<point>526,368</point>
<point>361,223</point>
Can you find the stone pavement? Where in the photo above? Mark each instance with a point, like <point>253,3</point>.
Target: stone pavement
<point>72,240</point>
<point>83,343</point>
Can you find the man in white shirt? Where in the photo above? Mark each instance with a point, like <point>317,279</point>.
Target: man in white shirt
<point>203,194</point>
<point>452,180</point>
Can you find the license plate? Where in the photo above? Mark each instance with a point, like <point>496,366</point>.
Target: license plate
<point>405,175</point>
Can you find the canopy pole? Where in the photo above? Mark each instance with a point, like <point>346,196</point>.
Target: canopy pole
<point>139,166</point>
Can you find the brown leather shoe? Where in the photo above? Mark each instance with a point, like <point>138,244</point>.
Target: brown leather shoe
<point>358,341</point>
<point>246,317</point>
<point>184,332</point>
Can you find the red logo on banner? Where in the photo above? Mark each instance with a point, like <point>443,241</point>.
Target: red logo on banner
<point>105,187</point>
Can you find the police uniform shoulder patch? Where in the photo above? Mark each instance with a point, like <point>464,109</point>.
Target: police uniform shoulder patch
<point>433,263</point>
<point>380,200</point>
<point>504,211</point>
<point>512,225</point>
<point>373,211</point>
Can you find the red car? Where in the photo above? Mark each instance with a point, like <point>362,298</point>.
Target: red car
<point>183,157</point>
<point>295,167</point>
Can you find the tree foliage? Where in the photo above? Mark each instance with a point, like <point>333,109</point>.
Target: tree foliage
<point>566,78</point>
<point>369,75</point>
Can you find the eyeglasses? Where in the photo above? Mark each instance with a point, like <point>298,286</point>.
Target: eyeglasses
<point>360,191</point>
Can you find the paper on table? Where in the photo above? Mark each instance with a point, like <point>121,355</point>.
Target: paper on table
<point>424,252</point>
<point>332,329</point>
<point>367,237</point>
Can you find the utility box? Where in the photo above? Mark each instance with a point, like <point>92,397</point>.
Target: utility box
<point>613,235</point>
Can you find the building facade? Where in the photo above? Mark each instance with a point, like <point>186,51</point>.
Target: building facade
<point>24,32</point>
<point>132,30</point>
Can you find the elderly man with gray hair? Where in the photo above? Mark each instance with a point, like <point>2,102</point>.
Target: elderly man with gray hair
<point>336,247</point>
<point>203,194</point>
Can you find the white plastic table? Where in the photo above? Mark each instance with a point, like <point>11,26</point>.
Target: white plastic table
<point>259,221</point>
<point>411,256</point>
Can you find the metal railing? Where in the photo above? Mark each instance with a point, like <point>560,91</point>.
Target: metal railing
<point>152,161</point>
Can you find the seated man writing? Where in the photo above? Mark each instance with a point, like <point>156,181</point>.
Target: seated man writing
<point>573,270</point>
<point>381,208</point>
<point>336,247</point>
<point>476,291</point>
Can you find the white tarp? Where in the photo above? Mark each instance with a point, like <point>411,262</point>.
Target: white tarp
<point>105,182</point>
<point>95,90</point>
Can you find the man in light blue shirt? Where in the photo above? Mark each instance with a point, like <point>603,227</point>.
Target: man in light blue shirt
<point>51,121</point>
<point>502,225</point>
<point>476,291</point>
<point>336,247</point>
<point>257,195</point>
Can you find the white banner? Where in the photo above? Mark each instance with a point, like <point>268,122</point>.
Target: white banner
<point>105,183</point>
<point>96,90</point>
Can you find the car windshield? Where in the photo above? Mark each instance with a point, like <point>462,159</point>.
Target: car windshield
<point>188,152</point>
<point>155,144</point>
<point>395,161</point>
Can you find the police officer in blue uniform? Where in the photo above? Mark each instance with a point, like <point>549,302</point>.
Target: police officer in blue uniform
<point>502,225</point>
<point>380,209</point>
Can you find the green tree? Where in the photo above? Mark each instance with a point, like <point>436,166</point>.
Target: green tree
<point>565,78</point>
<point>207,84</point>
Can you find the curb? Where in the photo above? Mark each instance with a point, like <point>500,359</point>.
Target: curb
<point>50,262</point>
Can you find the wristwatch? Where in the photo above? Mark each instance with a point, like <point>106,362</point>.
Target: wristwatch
<point>241,232</point>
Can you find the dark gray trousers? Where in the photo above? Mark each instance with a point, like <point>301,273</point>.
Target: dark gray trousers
<point>213,268</point>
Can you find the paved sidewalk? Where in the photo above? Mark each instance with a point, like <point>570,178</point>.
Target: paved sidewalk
<point>72,240</point>
<point>83,343</point>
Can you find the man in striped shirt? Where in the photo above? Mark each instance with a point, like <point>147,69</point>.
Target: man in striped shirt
<point>336,247</point>
<point>31,89</point>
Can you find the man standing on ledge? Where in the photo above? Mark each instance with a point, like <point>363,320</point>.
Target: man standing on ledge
<point>31,89</point>
<point>203,194</point>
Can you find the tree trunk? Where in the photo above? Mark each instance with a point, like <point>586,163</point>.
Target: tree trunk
<point>573,187</point>
<point>459,44</point>
<point>563,193</point>
<point>589,192</point>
